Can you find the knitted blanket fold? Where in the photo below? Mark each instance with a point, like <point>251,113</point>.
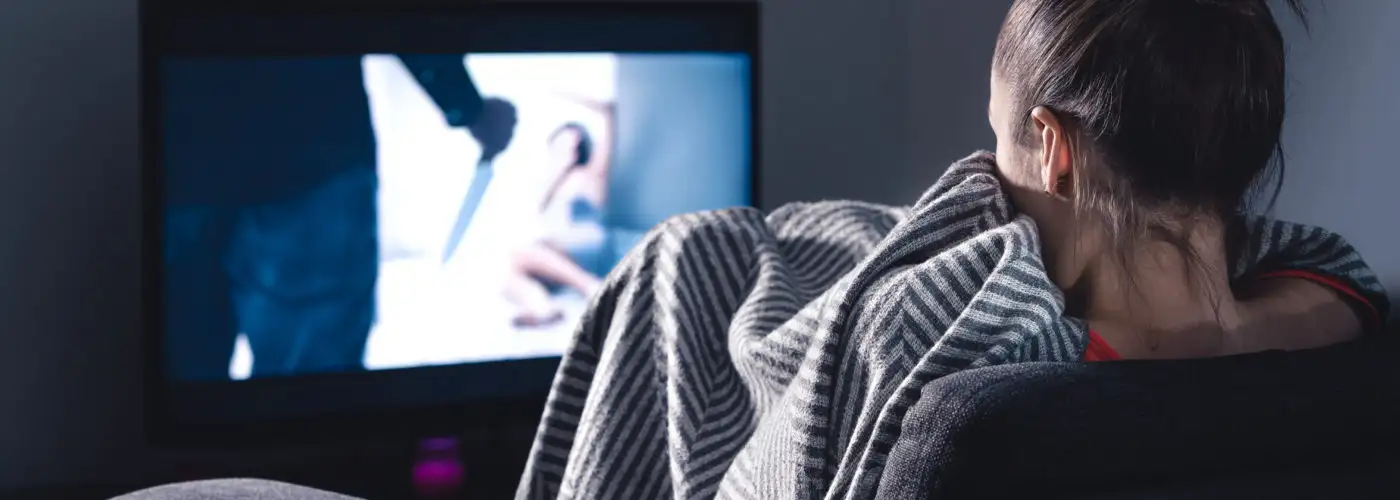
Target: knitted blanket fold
<point>737,355</point>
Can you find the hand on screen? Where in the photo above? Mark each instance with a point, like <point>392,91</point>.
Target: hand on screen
<point>531,266</point>
<point>495,127</point>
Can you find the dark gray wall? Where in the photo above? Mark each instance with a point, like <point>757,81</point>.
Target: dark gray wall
<point>1341,132</point>
<point>70,363</point>
<point>950,62</point>
<point>835,103</point>
<point>866,99</point>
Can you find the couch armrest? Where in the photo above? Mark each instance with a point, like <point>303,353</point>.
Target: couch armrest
<point>1076,426</point>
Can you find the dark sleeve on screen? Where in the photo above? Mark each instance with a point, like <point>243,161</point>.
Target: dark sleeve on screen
<point>445,78</point>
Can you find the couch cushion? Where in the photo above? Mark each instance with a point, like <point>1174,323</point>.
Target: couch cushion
<point>1106,426</point>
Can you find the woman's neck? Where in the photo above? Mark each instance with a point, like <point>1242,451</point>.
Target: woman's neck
<point>1162,304</point>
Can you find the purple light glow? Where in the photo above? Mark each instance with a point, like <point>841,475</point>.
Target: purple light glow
<point>439,472</point>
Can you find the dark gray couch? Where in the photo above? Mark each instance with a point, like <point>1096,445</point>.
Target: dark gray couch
<point>1315,424</point>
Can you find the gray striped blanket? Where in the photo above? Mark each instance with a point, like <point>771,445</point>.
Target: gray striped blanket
<point>737,355</point>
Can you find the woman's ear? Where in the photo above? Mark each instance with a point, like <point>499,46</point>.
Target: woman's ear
<point>1056,159</point>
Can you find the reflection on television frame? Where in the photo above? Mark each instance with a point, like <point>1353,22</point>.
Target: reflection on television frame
<point>410,402</point>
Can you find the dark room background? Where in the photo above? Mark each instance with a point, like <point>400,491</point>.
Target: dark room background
<point>865,99</point>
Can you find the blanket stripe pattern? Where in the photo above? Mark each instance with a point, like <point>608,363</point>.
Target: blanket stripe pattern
<point>737,355</point>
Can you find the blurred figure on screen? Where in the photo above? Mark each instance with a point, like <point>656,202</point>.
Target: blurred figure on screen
<point>567,251</point>
<point>271,219</point>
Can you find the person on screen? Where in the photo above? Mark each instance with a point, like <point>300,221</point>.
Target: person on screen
<point>271,205</point>
<point>569,250</point>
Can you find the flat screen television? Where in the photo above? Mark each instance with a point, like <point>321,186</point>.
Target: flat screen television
<point>369,217</point>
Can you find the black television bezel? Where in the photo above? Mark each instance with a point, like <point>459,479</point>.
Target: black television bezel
<point>409,421</point>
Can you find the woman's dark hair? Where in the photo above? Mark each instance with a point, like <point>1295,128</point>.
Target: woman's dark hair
<point>583,152</point>
<point>1173,107</point>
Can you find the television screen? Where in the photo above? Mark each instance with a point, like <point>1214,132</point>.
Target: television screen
<point>409,207</point>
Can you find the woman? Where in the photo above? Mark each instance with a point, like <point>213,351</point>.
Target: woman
<point>786,355</point>
<point>1133,148</point>
<point>572,210</point>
